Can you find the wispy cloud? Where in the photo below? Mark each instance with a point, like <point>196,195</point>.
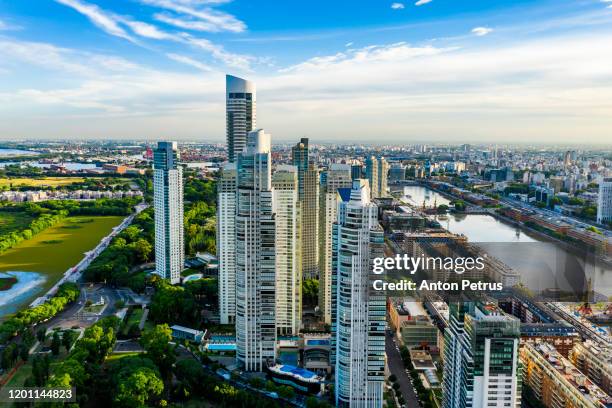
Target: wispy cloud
<point>148,30</point>
<point>422,2</point>
<point>98,17</point>
<point>4,26</point>
<point>481,31</point>
<point>397,6</point>
<point>190,10</point>
<point>185,24</point>
<point>63,60</point>
<point>114,24</point>
<point>396,52</point>
<point>189,61</point>
<point>239,61</point>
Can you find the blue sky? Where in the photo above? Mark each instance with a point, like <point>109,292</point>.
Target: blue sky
<point>369,70</point>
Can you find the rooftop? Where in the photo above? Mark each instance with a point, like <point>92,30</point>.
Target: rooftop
<point>572,375</point>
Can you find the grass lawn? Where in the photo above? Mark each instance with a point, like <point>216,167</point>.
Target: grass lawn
<point>58,248</point>
<point>40,182</point>
<point>13,221</point>
<point>113,358</point>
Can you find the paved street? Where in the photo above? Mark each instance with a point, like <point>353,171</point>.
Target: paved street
<point>396,366</point>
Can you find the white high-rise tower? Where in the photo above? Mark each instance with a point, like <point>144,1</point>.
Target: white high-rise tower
<point>240,107</point>
<point>358,311</point>
<point>168,202</point>
<point>337,176</point>
<point>255,255</point>
<point>288,276</point>
<point>226,243</point>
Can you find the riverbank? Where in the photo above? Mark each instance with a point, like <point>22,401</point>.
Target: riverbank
<point>53,251</point>
<point>573,247</point>
<point>7,282</point>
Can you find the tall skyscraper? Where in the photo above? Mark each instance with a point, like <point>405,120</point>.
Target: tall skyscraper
<point>337,176</point>
<point>604,201</point>
<point>356,171</point>
<point>226,243</point>
<point>377,172</point>
<point>240,109</point>
<point>383,177</point>
<point>255,255</point>
<point>358,318</point>
<point>168,202</point>
<point>299,158</point>
<point>288,277</point>
<point>372,175</point>
<point>310,223</point>
<point>308,194</point>
<point>481,362</point>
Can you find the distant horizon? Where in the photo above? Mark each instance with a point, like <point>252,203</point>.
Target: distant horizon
<point>314,142</point>
<point>454,72</point>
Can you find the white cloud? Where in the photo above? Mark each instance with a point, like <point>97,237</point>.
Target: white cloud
<point>98,17</point>
<point>549,88</point>
<point>422,2</point>
<point>239,61</point>
<point>348,44</point>
<point>112,24</point>
<point>397,6</point>
<point>481,31</point>
<point>195,25</point>
<point>219,21</point>
<point>148,30</point>
<point>189,61</point>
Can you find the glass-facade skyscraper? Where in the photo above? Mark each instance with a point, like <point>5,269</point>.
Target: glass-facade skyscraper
<point>240,100</point>
<point>168,203</point>
<point>481,360</point>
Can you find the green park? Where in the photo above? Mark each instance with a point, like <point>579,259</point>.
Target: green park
<point>59,247</point>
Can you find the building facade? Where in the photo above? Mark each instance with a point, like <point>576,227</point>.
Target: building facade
<point>604,201</point>
<point>358,321</point>
<point>377,171</point>
<point>240,109</point>
<point>226,243</point>
<point>168,203</point>
<point>555,382</point>
<point>255,256</point>
<point>337,176</point>
<point>310,223</point>
<point>288,277</point>
<point>481,363</point>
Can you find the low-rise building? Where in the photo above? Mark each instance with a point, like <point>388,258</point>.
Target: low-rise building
<point>595,360</point>
<point>185,333</point>
<point>556,382</point>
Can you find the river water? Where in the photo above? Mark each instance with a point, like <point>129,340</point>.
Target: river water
<point>16,152</point>
<point>541,263</point>
<point>28,284</point>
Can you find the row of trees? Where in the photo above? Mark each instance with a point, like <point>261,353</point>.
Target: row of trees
<point>132,247</point>
<point>40,223</point>
<point>49,213</point>
<point>103,206</point>
<point>17,324</point>
<point>426,397</point>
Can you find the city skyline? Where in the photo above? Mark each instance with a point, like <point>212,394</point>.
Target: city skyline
<point>395,71</point>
